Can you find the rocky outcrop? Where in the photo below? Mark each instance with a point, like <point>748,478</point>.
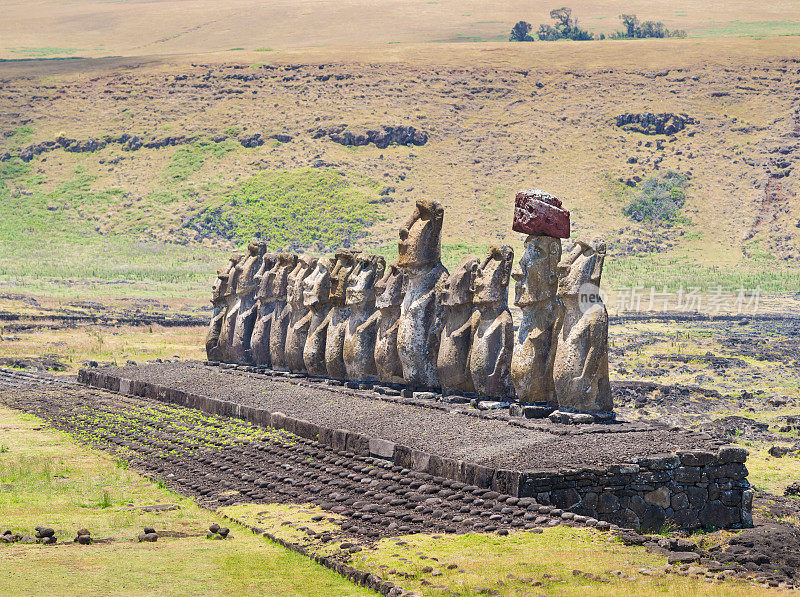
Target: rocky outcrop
<point>654,124</point>
<point>382,137</point>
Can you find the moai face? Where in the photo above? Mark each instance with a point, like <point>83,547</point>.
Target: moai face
<point>263,279</point>
<point>580,270</point>
<point>420,238</point>
<point>361,282</point>
<point>493,276</point>
<point>250,266</point>
<point>317,286</point>
<point>233,274</point>
<point>286,262</point>
<point>343,266</point>
<point>460,285</point>
<point>389,289</point>
<point>536,274</point>
<point>304,268</point>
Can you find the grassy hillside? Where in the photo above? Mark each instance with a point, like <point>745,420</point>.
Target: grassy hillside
<point>50,28</point>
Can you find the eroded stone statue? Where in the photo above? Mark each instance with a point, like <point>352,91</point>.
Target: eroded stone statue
<point>281,311</point>
<point>456,339</point>
<point>536,280</point>
<point>231,309</point>
<point>362,326</point>
<point>339,314</point>
<point>493,327</point>
<point>317,298</point>
<point>247,306</point>
<point>581,364</point>
<point>297,330</point>
<point>421,313</point>
<point>389,296</point>
<point>266,303</point>
<point>218,292</point>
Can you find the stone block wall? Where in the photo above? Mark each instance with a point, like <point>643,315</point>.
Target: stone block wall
<point>687,490</point>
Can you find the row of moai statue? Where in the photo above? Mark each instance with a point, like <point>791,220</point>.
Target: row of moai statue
<point>411,322</point>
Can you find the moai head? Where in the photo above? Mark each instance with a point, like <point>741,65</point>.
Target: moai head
<point>263,279</point>
<point>361,283</point>
<point>492,277</point>
<point>345,261</point>
<point>421,236</point>
<point>580,270</point>
<point>304,268</point>
<point>286,263</point>
<point>536,274</point>
<point>389,289</point>
<point>233,274</point>
<point>460,284</point>
<point>317,286</point>
<point>250,266</point>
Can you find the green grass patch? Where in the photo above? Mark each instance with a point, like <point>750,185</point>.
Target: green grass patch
<point>45,51</point>
<point>295,209</point>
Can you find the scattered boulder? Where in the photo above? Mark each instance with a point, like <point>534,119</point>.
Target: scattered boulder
<point>84,537</point>
<point>148,536</point>
<point>251,140</point>
<point>382,137</point>
<point>793,489</point>
<point>778,451</point>
<point>654,124</point>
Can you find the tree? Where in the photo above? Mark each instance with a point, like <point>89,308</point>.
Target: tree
<point>521,32</point>
<point>548,33</point>
<point>563,18</point>
<point>631,23</point>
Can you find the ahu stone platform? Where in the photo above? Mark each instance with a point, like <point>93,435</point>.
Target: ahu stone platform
<point>630,474</point>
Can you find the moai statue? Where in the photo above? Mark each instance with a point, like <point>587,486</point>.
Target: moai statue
<point>297,330</point>
<point>339,314</point>
<point>493,328</point>
<point>581,365</point>
<point>456,339</point>
<point>266,303</point>
<point>421,313</point>
<point>281,312</point>
<point>317,298</point>
<point>536,280</point>
<point>362,326</point>
<point>248,307</point>
<point>219,289</point>
<point>231,309</point>
<point>389,297</point>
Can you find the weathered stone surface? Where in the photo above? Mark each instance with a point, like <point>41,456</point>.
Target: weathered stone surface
<point>493,327</point>
<point>389,292</point>
<point>456,338</point>
<point>229,318</point>
<point>540,214</point>
<point>300,318</point>
<point>317,298</point>
<point>581,364</point>
<point>659,497</point>
<point>214,350</point>
<point>421,313</point>
<point>654,124</point>
<point>535,294</point>
<point>265,295</point>
<point>281,310</point>
<point>339,314</point>
<point>362,326</point>
<point>246,302</point>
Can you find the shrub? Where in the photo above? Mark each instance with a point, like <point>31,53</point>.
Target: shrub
<point>521,32</point>
<point>565,27</point>
<point>657,199</point>
<point>634,29</point>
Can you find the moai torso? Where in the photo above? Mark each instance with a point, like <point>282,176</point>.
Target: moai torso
<point>362,326</point>
<point>537,337</point>
<point>213,351</point>
<point>421,313</point>
<point>456,339</point>
<point>317,297</point>
<point>493,328</point>
<point>281,312</point>
<point>231,309</point>
<point>297,330</point>
<point>259,340</point>
<point>339,314</point>
<point>389,297</point>
<point>581,364</point>
<point>248,308</point>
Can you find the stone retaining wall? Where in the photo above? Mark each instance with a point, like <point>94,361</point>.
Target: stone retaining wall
<point>691,489</point>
